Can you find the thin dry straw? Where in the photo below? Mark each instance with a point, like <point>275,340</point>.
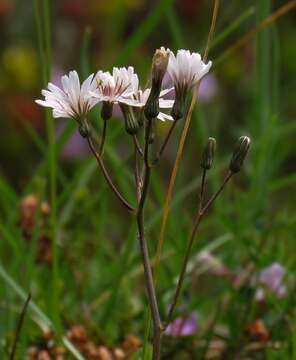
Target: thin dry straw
<point>172,181</point>
<point>266,22</point>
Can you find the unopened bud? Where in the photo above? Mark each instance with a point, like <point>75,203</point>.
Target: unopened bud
<point>107,109</point>
<point>131,122</point>
<point>84,128</point>
<point>239,154</point>
<point>159,65</point>
<point>151,109</point>
<point>208,154</point>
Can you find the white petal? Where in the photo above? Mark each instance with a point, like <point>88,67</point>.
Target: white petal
<point>166,104</point>
<point>163,117</point>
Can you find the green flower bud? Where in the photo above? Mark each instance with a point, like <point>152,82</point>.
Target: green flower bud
<point>208,154</point>
<point>179,106</point>
<point>131,122</point>
<point>151,108</point>
<point>107,109</point>
<point>239,154</point>
<point>84,128</point>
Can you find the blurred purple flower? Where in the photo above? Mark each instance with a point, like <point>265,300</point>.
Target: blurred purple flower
<point>56,75</point>
<point>183,326</point>
<point>75,147</point>
<point>271,278</point>
<point>208,88</point>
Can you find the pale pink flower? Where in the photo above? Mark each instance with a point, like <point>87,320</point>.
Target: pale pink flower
<point>272,279</point>
<point>117,87</point>
<point>186,69</point>
<point>72,100</point>
<point>183,326</point>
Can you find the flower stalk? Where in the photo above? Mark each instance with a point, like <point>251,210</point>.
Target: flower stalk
<point>202,210</point>
<point>107,177</point>
<point>157,325</point>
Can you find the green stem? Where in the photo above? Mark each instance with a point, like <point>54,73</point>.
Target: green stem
<point>263,67</point>
<point>19,327</point>
<point>42,16</point>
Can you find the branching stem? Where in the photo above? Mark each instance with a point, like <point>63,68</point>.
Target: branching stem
<point>165,142</point>
<point>201,212</point>
<point>107,177</point>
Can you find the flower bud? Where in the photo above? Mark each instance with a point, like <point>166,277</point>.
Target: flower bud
<point>107,109</point>
<point>131,123</point>
<point>239,154</point>
<point>151,109</point>
<point>208,154</point>
<point>84,128</point>
<point>179,106</point>
<point>159,65</point>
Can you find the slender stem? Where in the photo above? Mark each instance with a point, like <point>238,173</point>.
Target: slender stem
<point>100,161</point>
<point>166,140</point>
<point>214,197</point>
<point>137,144</point>
<point>173,177</point>
<point>201,212</point>
<point>104,133</point>
<point>19,327</point>
<point>202,188</point>
<point>45,38</point>
<point>138,180</point>
<point>157,326</point>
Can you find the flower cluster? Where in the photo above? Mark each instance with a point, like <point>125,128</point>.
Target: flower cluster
<point>75,100</point>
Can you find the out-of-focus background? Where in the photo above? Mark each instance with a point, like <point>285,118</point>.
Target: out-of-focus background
<point>249,91</point>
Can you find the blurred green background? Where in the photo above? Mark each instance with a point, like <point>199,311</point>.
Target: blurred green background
<point>250,91</point>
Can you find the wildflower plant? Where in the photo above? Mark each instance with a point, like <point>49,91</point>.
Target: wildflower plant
<point>141,108</point>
